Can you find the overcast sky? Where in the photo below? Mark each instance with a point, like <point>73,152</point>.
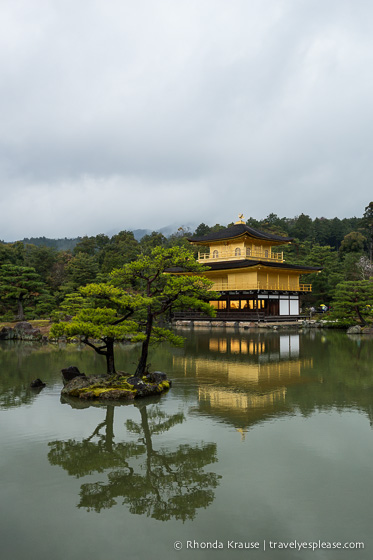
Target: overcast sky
<point>118,114</point>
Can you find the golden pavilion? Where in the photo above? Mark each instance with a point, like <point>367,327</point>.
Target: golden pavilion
<point>253,280</point>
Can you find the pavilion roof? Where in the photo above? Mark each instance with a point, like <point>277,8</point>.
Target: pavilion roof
<point>238,230</point>
<point>246,263</point>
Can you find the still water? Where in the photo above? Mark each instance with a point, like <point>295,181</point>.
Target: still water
<point>265,437</point>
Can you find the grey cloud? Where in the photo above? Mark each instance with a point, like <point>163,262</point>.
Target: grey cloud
<point>182,112</point>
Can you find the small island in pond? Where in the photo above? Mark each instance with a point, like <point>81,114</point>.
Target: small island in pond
<point>118,386</point>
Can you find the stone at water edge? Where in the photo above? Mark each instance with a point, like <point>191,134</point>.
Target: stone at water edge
<point>156,377</point>
<point>23,326</point>
<point>70,373</point>
<point>7,333</point>
<point>21,331</point>
<point>354,330</point>
<point>37,384</point>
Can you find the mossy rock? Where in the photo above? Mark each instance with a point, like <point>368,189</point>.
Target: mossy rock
<point>113,387</point>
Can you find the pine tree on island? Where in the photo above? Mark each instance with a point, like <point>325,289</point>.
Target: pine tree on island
<point>133,303</point>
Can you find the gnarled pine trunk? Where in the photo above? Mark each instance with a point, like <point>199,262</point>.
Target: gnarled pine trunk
<point>141,367</point>
<point>110,365</point>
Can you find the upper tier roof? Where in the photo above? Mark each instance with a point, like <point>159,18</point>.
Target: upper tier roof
<point>238,230</point>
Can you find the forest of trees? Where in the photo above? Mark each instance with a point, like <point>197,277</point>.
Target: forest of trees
<point>35,277</point>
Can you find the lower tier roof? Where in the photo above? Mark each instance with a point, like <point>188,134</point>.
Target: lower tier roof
<point>246,263</point>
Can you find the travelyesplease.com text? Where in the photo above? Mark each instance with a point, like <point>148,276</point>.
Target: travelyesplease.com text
<point>268,545</point>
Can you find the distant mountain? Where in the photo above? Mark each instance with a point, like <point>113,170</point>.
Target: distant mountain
<point>139,233</point>
<point>166,230</point>
<point>68,244</point>
<point>175,228</point>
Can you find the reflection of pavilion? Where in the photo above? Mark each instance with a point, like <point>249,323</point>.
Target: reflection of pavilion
<point>221,399</point>
<point>244,380</point>
<point>284,346</point>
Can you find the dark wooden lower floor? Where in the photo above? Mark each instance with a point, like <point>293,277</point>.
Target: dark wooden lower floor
<point>250,306</point>
<point>234,316</point>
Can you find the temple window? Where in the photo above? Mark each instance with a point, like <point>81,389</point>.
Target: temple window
<point>215,254</point>
<point>266,254</point>
<point>237,252</point>
<point>248,251</point>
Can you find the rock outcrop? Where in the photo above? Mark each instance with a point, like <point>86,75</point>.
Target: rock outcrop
<point>69,373</point>
<point>116,387</point>
<point>21,331</point>
<point>37,384</point>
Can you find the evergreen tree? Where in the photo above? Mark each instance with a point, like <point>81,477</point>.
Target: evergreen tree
<point>202,230</point>
<point>353,242</point>
<point>82,269</point>
<point>354,300</point>
<point>101,316</point>
<point>86,245</point>
<point>303,228</point>
<point>20,284</point>
<point>150,277</point>
<point>132,309</point>
<point>150,241</point>
<point>368,227</point>
<point>123,248</point>
<point>42,259</point>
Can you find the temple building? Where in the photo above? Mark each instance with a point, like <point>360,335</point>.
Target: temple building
<point>253,280</point>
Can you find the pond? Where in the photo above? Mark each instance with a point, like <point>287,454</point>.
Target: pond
<point>262,448</point>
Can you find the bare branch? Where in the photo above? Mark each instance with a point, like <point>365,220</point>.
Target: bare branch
<point>123,318</point>
<point>98,349</point>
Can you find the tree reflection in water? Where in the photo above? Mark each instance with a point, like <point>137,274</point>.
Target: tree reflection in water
<point>159,483</point>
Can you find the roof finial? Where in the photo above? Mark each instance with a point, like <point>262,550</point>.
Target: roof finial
<point>241,219</point>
